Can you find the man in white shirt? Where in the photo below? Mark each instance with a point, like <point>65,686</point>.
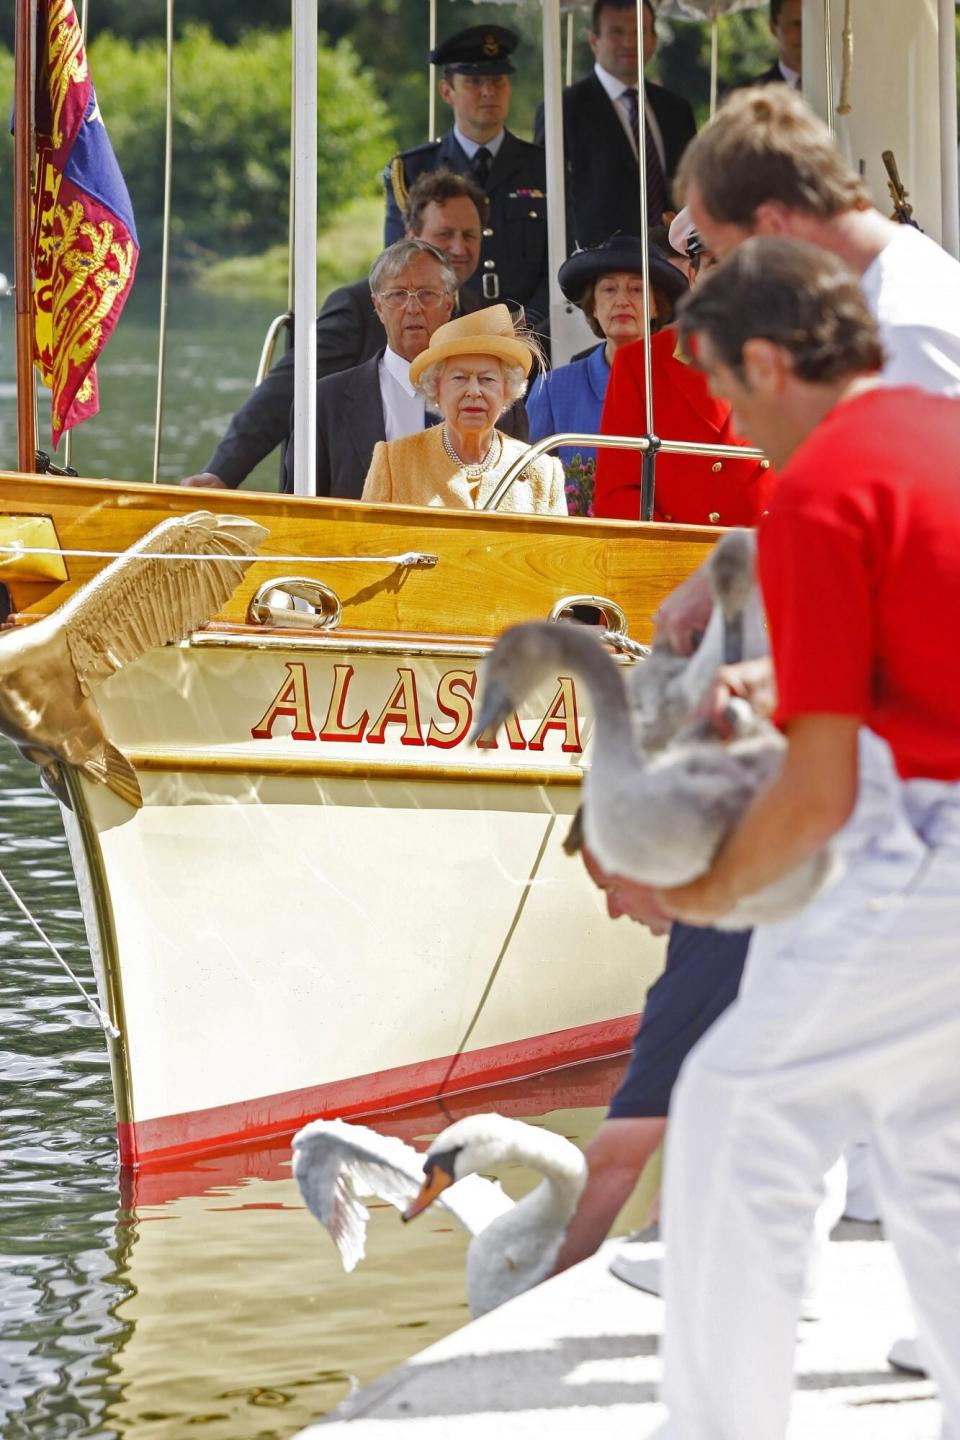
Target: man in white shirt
<point>740,178</point>
<point>413,287</point>
<point>767,165</point>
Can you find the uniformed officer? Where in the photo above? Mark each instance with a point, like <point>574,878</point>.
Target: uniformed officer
<point>476,85</point>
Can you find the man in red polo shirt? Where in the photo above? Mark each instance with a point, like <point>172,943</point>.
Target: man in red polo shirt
<point>848,1020</point>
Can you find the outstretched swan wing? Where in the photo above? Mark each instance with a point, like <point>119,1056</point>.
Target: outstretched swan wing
<point>334,1163</point>
<point>143,600</point>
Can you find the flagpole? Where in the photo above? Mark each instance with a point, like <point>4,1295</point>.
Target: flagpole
<point>165,251</point>
<point>23,270</point>
<point>68,438</point>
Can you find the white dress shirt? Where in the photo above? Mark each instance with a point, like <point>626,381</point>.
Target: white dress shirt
<point>790,77</point>
<point>403,410</point>
<point>913,288</point>
<point>615,89</point>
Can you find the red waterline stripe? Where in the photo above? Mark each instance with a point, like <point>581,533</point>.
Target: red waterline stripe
<point>588,1085</point>
<point>197,1132</point>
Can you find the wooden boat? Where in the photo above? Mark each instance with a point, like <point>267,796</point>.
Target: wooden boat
<point>331,902</point>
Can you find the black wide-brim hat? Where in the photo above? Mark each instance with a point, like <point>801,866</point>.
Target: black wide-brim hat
<point>622,252</point>
<point>478,50</point>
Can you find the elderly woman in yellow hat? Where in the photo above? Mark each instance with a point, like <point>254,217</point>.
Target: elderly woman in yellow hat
<point>474,368</point>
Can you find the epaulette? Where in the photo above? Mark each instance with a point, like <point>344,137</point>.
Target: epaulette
<point>398,181</point>
<point>419,149</point>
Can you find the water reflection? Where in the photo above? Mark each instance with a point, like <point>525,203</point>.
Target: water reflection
<point>202,1299</point>
<point>213,345</point>
<point>61,1246</point>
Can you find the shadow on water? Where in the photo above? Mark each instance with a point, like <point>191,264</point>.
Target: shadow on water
<point>199,1300</point>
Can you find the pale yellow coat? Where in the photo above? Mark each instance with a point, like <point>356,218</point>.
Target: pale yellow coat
<point>416,470</point>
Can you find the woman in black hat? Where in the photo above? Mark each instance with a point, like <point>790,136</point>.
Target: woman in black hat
<point>607,283</point>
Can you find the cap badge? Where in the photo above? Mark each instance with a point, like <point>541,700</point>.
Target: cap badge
<point>491,46</point>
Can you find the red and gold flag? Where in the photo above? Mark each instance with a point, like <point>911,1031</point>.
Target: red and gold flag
<point>84,238</point>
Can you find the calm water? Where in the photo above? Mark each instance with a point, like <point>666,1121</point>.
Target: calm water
<point>205,1301</point>
<point>213,346</point>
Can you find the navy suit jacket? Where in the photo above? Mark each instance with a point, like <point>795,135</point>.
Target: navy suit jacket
<point>602,171</point>
<point>349,424</point>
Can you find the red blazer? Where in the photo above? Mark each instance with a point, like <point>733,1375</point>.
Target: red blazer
<point>689,489</point>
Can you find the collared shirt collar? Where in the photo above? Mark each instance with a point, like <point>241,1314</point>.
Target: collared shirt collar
<point>792,77</point>
<point>470,147</point>
<point>611,84</point>
<point>399,368</point>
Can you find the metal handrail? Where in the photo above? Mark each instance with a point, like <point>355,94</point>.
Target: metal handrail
<point>265,363</point>
<point>614,442</point>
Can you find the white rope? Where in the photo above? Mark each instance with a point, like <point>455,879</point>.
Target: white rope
<point>410,558</point>
<point>97,1009</point>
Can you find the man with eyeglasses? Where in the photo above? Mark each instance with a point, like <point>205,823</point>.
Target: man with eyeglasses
<point>448,211</point>
<point>511,172</point>
<point>413,288</point>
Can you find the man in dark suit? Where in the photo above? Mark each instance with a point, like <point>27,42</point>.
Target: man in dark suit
<point>512,172</point>
<point>600,129</point>
<point>413,289</point>
<point>447,211</point>
<point>786,27</point>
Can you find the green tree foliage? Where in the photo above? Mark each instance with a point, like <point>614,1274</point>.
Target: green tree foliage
<point>392,37</point>
<point>226,20</point>
<point>745,48</point>
<point>231,138</point>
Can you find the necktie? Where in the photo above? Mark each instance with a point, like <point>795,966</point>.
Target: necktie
<point>481,165</point>
<point>656,185</point>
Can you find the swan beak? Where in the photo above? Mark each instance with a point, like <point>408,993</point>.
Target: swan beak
<point>437,1181</point>
<point>495,706</point>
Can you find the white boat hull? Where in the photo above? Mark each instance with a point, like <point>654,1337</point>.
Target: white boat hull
<point>298,922</point>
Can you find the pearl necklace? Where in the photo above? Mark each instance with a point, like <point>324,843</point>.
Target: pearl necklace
<point>476,471</point>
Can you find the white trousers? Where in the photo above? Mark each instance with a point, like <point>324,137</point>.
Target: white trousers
<point>847,1027</point>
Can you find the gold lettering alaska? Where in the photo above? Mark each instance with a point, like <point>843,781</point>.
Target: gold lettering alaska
<point>67,61</point>
<point>85,289</point>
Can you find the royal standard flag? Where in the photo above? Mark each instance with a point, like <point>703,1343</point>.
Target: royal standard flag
<point>84,239</point>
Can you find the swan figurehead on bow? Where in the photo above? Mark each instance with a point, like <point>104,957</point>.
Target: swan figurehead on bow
<point>155,593</point>
<point>514,1246</point>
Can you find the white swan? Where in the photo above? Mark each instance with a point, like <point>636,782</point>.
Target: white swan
<point>661,794</point>
<point>514,1246</point>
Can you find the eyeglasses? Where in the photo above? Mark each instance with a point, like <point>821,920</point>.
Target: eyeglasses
<point>400,299</point>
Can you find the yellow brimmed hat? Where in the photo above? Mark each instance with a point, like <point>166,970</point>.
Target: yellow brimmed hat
<point>484,332</point>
